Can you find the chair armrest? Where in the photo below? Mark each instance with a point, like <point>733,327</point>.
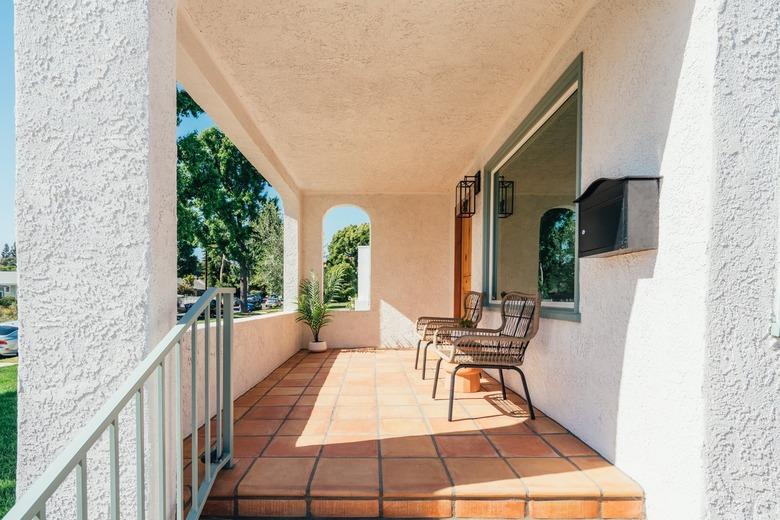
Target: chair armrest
<point>452,334</point>
<point>422,321</point>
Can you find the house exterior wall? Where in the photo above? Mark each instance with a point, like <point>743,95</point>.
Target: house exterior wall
<point>96,220</point>
<point>411,265</point>
<point>628,376</point>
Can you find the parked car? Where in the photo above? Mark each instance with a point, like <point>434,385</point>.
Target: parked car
<point>271,302</point>
<point>9,336</point>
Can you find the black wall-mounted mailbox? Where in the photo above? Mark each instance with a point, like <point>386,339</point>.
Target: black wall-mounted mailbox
<point>619,216</point>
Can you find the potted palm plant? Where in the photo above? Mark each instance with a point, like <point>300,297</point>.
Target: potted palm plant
<point>315,305</point>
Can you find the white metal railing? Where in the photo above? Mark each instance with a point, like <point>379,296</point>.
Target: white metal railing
<point>74,456</point>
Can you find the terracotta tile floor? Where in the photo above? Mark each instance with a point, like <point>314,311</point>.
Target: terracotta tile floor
<point>355,433</point>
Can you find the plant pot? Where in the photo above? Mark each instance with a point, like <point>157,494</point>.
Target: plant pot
<point>318,346</point>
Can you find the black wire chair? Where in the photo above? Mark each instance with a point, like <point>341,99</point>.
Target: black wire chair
<point>501,348</point>
<point>428,325</point>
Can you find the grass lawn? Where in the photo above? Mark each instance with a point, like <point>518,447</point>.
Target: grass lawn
<point>8,435</point>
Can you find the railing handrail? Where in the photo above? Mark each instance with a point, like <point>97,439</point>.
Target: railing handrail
<point>74,452</point>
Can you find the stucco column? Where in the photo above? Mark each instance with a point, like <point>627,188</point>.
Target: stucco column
<point>292,251</point>
<point>742,378</point>
<point>96,214</point>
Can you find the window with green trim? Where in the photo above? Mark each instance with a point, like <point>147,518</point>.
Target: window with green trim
<point>535,245</point>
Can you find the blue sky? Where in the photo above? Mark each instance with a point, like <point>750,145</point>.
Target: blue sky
<point>7,156</point>
<point>336,219</point>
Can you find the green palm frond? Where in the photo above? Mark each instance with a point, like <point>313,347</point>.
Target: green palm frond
<point>314,305</point>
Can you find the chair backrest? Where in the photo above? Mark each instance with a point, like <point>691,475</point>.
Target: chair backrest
<point>472,305</point>
<point>520,314</point>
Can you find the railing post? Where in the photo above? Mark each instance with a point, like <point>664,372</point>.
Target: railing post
<point>227,380</point>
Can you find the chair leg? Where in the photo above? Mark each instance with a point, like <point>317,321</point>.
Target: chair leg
<point>527,395</point>
<point>503,386</point>
<point>436,378</point>
<point>425,357</point>
<point>417,358</point>
<point>452,391</point>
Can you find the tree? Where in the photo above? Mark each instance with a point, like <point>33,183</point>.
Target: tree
<point>186,106</point>
<point>556,255</point>
<point>343,252</point>
<point>8,257</point>
<point>221,194</point>
<point>268,248</point>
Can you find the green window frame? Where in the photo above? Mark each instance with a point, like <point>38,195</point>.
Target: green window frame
<point>560,90</point>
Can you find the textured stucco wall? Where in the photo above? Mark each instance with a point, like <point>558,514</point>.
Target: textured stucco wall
<point>411,265</point>
<point>95,211</point>
<point>742,377</point>
<point>627,379</point>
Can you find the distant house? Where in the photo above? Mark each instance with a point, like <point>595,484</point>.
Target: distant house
<point>7,283</point>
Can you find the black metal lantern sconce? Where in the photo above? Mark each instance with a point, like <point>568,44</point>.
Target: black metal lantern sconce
<point>466,193</point>
<point>506,197</point>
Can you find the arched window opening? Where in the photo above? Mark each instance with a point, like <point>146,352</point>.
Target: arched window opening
<point>230,220</point>
<point>346,258</point>
<point>556,255</point>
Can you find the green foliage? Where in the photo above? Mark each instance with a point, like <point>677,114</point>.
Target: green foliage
<point>556,255</point>
<point>343,251</point>
<point>220,195</point>
<point>267,246</point>
<point>186,106</point>
<point>8,434</point>
<point>315,305</point>
<point>8,257</point>
<point>8,310</point>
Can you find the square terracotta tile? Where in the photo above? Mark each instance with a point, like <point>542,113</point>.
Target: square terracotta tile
<point>304,427</point>
<point>569,445</point>
<point>441,426</point>
<point>356,400</point>
<point>256,426</point>
<point>249,445</point>
<point>364,445</point>
<point>481,478</point>
<point>355,412</point>
<point>503,425</point>
<point>622,508</point>
<point>268,412</point>
<point>294,446</point>
<point>402,427</point>
<point>464,446</point>
<point>544,425</point>
<point>613,482</point>
<point>310,412</point>
<point>290,390</point>
<point>553,478</point>
<point>413,446</point>
<point>352,426</point>
<point>277,400</point>
<point>317,400</point>
<point>346,477</point>
<point>521,446</point>
<point>228,479</point>
<point>414,478</point>
<point>270,476</point>
<point>394,412</point>
<point>396,400</point>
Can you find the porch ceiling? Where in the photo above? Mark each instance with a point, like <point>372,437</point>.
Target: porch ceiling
<point>377,96</point>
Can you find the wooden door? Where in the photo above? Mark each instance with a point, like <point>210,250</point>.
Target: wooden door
<point>462,281</point>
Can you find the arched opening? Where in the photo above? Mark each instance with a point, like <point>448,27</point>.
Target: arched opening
<point>230,229</point>
<point>346,258</point>
<point>557,255</point>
